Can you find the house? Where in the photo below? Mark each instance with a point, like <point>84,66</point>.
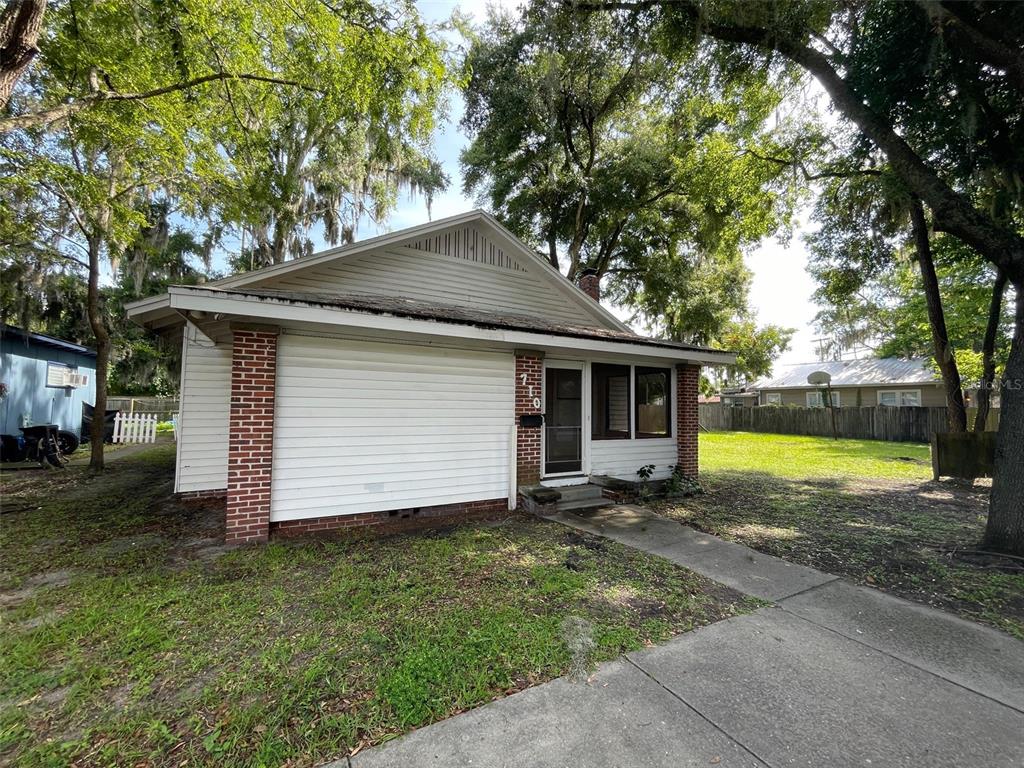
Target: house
<point>888,381</point>
<point>434,372</point>
<point>45,380</point>
<point>739,396</point>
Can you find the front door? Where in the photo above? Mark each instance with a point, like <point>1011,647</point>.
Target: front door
<point>563,421</point>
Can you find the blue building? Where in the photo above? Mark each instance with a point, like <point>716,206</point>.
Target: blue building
<point>44,381</point>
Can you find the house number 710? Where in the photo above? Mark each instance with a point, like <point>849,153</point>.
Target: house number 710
<point>536,400</point>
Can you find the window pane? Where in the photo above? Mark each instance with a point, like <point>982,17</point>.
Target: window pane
<point>774,398</point>
<point>911,398</point>
<point>653,402</point>
<point>887,398</point>
<point>814,400</point>
<point>610,401</point>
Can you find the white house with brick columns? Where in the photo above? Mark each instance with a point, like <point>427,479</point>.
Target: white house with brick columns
<point>424,375</point>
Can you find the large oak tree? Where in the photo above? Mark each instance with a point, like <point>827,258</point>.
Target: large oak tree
<point>848,47</point>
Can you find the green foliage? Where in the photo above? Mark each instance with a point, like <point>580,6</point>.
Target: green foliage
<point>878,302</point>
<point>253,119</point>
<point>582,149</point>
<point>756,348</point>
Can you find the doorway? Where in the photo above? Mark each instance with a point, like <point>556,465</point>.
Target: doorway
<point>563,421</point>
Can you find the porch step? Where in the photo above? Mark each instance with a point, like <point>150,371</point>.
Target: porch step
<point>579,492</point>
<point>583,505</point>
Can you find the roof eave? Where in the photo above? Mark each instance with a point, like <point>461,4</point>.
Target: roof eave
<point>184,300</point>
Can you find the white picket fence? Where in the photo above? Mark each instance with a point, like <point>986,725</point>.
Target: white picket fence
<point>135,427</point>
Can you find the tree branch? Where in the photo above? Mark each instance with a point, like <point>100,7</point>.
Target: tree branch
<point>953,212</point>
<point>63,111</point>
<point>808,176</point>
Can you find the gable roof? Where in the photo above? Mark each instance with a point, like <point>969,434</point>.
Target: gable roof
<point>877,371</point>
<point>523,257</point>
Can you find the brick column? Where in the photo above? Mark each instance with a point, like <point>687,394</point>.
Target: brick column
<point>529,396</point>
<point>251,434</point>
<point>687,382</point>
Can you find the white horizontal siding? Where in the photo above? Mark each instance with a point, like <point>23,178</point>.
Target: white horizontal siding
<point>367,427</point>
<point>204,412</point>
<point>438,278</point>
<point>622,458</point>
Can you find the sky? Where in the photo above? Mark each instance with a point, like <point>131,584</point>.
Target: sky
<point>781,289</point>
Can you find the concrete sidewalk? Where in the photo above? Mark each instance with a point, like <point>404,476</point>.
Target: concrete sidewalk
<point>831,675</point>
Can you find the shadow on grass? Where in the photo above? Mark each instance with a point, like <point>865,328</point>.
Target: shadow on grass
<point>896,535</point>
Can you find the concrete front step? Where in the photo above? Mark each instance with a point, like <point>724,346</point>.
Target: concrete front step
<point>583,505</point>
<point>579,492</point>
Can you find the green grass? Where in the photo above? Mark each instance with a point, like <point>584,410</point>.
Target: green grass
<point>804,457</point>
<point>864,510</point>
<point>132,637</point>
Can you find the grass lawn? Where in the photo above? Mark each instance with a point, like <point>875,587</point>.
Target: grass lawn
<point>865,510</point>
<point>132,637</point>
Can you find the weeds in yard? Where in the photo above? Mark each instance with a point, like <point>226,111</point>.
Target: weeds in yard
<point>579,639</point>
<point>132,636</point>
<point>856,510</point>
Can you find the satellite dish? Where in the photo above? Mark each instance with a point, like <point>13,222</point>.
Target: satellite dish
<point>819,378</point>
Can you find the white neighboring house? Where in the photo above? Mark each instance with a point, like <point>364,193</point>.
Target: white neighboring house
<point>426,374</point>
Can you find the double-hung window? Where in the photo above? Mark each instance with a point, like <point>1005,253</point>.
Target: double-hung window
<point>653,402</point>
<point>630,401</point>
<point>819,399</point>
<point>610,402</point>
<point>899,397</point>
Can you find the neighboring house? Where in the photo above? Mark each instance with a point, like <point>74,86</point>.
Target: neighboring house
<point>406,376</point>
<point>885,381</point>
<point>46,381</point>
<point>738,396</point>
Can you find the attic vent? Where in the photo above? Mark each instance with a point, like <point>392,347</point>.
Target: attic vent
<point>468,244</point>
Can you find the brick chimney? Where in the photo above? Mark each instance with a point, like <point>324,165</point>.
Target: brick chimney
<point>590,284</point>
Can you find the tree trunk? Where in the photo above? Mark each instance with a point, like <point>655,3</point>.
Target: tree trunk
<point>955,409</point>
<point>988,352</point>
<point>553,247</point>
<point>99,331</point>
<point>1005,529</point>
<point>20,24</point>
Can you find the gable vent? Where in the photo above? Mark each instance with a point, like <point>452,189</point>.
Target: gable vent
<point>468,244</point>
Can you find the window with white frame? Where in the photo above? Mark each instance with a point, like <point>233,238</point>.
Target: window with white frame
<point>773,398</point>
<point>899,397</point>
<point>819,399</point>
<point>621,394</point>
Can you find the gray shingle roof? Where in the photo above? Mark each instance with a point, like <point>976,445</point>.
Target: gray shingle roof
<point>855,373</point>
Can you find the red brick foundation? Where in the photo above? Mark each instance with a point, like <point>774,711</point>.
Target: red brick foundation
<point>398,520</point>
<point>529,396</point>
<point>216,493</point>
<point>251,435</point>
<point>687,382</point>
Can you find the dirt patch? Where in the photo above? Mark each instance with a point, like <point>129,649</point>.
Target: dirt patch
<point>33,585</point>
<point>896,535</point>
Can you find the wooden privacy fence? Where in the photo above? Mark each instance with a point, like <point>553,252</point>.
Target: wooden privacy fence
<point>905,424</point>
<point>163,407</point>
<point>135,428</point>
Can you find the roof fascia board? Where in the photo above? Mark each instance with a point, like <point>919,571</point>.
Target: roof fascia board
<point>196,300</point>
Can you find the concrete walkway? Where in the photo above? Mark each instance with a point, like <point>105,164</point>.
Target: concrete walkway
<point>831,675</point>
